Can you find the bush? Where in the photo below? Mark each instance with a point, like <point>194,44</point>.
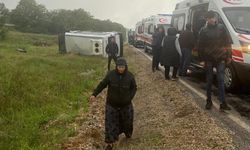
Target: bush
<point>3,33</point>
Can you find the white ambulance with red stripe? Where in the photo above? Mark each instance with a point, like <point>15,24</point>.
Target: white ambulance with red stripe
<point>139,31</point>
<point>150,24</point>
<point>235,15</point>
<point>146,28</point>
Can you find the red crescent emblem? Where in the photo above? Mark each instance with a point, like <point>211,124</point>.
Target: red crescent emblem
<point>163,20</point>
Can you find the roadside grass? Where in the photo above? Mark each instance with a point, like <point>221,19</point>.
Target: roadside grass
<point>42,91</point>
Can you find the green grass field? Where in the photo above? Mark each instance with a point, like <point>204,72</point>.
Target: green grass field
<point>42,91</point>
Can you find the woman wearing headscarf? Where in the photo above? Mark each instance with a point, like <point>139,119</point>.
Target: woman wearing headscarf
<point>171,53</point>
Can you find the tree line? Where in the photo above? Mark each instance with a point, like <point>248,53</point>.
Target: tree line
<point>29,16</point>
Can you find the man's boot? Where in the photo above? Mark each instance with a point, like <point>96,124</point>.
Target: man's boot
<point>209,104</point>
<point>224,106</point>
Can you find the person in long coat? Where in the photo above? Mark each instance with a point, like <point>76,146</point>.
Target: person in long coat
<point>171,53</point>
<point>119,113</point>
<point>157,46</point>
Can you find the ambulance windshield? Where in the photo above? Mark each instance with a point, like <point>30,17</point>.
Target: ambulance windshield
<point>239,18</point>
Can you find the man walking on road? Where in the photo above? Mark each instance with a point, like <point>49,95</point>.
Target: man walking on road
<point>187,42</point>
<point>214,49</point>
<point>157,46</point>
<point>112,51</point>
<point>119,113</point>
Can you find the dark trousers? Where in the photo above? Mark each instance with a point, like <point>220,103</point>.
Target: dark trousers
<point>167,70</point>
<point>156,58</point>
<point>185,61</point>
<point>117,121</point>
<point>220,68</point>
<point>110,59</point>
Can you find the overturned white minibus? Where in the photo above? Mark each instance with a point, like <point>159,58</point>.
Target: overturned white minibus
<point>91,43</point>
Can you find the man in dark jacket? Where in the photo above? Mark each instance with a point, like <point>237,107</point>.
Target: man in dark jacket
<point>214,49</point>
<point>112,51</point>
<point>119,109</point>
<point>156,47</point>
<point>187,42</point>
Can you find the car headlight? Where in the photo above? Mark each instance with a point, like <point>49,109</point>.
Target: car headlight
<point>245,47</point>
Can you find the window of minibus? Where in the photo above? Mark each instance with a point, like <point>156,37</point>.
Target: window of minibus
<point>239,18</point>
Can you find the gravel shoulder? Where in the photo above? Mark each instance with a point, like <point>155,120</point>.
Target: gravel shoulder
<point>166,117</point>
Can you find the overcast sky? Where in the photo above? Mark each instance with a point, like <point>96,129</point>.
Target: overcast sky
<point>126,12</point>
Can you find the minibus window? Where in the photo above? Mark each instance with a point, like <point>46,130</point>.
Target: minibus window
<point>239,18</point>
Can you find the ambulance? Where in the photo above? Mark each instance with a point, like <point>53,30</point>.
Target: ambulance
<point>150,24</point>
<point>234,15</point>
<point>139,30</point>
<point>146,28</point>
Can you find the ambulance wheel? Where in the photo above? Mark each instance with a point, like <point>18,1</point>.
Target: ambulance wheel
<point>230,78</point>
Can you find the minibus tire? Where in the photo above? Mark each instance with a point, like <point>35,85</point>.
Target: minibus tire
<point>230,78</point>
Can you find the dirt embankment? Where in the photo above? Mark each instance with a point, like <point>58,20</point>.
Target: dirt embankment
<point>165,117</point>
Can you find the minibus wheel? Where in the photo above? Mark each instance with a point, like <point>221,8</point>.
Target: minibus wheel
<point>230,78</point>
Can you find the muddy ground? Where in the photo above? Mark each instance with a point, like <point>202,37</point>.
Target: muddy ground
<point>166,117</point>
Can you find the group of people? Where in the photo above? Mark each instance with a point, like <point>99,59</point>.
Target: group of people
<point>168,50</point>
<point>172,50</point>
<point>214,49</point>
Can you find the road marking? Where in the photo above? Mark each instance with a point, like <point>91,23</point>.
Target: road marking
<point>233,117</point>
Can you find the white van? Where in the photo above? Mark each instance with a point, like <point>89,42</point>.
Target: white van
<point>234,14</point>
<point>150,24</point>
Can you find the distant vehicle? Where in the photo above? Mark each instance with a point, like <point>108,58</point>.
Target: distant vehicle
<point>139,30</point>
<point>91,43</point>
<point>234,14</point>
<point>131,37</point>
<point>150,25</point>
<point>146,28</point>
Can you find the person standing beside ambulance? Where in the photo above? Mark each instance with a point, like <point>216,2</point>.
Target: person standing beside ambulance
<point>157,46</point>
<point>215,51</point>
<point>187,42</point>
